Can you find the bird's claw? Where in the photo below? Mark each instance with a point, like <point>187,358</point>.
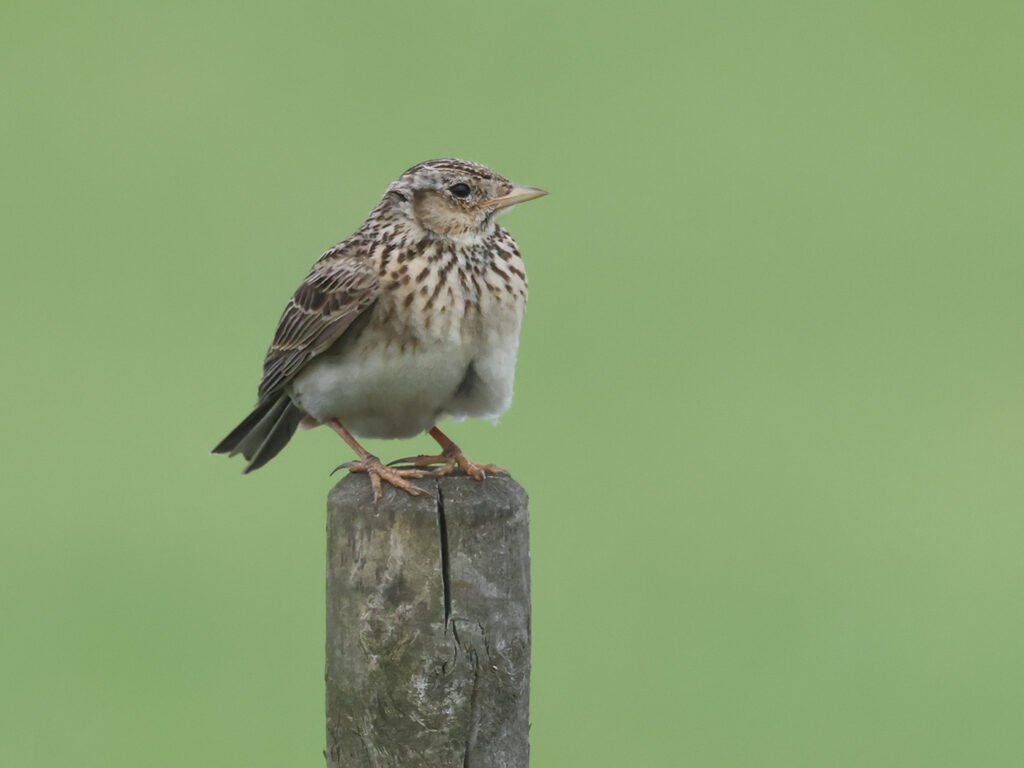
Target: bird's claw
<point>406,460</point>
<point>448,461</point>
<point>377,471</point>
<point>424,462</point>
<point>480,471</point>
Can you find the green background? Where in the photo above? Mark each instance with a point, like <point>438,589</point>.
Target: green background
<point>770,399</point>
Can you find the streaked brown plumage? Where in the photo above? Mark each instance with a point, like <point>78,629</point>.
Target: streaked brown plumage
<point>414,317</point>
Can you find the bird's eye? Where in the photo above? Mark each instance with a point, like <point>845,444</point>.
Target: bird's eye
<point>460,190</point>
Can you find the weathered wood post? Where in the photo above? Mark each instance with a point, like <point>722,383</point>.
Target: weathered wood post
<point>428,625</point>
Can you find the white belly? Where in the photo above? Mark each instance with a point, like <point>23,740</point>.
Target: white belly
<point>392,385</point>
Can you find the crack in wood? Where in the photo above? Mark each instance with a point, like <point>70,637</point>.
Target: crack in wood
<point>446,584</point>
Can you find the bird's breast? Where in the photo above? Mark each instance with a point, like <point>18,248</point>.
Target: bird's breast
<point>451,295</point>
<point>441,340</point>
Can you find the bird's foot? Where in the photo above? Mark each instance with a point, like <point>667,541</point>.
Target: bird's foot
<point>449,458</point>
<point>377,471</point>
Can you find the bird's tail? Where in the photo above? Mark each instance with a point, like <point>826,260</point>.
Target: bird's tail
<point>263,433</point>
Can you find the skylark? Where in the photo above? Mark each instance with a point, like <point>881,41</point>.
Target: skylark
<point>412,319</point>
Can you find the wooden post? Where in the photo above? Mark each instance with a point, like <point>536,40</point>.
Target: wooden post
<point>428,625</point>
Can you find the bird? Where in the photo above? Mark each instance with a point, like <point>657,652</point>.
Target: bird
<point>412,319</point>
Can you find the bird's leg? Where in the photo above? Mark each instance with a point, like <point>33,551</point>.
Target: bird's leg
<point>372,466</point>
<point>450,456</point>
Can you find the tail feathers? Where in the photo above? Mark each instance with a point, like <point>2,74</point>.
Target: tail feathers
<point>263,433</point>
<point>251,441</point>
<point>230,443</point>
<point>278,436</point>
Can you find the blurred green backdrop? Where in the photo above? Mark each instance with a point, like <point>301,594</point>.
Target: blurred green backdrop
<point>770,401</point>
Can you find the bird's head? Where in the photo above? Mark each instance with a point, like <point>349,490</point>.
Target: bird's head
<point>456,198</point>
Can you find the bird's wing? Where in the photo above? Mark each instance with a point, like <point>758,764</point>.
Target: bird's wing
<point>341,285</point>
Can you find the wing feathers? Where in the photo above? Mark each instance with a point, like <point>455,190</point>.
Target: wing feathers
<point>341,285</point>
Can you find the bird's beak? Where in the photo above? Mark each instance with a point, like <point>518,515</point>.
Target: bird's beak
<point>519,194</point>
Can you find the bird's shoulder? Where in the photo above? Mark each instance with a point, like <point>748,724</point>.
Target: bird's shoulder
<point>344,271</point>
